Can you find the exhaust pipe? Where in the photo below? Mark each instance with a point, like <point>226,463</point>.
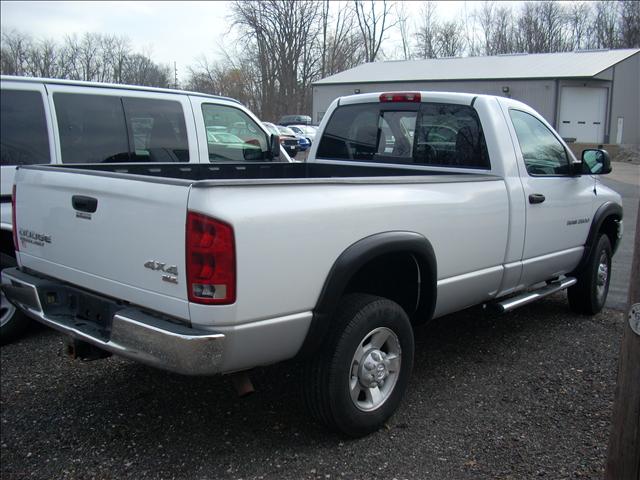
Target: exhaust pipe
<point>242,383</point>
<point>77,349</point>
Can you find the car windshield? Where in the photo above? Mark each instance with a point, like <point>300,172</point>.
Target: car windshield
<point>308,129</point>
<point>271,127</point>
<point>286,131</point>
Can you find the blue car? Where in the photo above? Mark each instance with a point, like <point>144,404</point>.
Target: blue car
<point>303,142</point>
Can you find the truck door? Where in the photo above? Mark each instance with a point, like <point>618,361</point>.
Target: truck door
<point>558,205</point>
<point>26,137</point>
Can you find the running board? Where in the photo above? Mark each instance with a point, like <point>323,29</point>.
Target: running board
<point>528,297</point>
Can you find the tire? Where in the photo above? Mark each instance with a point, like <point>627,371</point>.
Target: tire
<point>12,322</point>
<point>372,342</point>
<point>589,295</point>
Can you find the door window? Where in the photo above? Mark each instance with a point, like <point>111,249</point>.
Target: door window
<point>157,130</point>
<point>23,128</point>
<point>542,152</point>
<point>232,136</point>
<point>92,128</point>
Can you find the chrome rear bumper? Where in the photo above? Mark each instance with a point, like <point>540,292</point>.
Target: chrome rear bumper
<point>116,328</point>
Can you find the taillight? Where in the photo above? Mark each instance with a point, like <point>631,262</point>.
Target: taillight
<point>14,224</point>
<point>211,260</point>
<point>400,97</point>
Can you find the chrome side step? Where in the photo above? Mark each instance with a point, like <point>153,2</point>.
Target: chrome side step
<point>511,303</point>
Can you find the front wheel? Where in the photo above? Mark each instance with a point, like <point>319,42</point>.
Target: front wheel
<point>359,378</point>
<point>589,295</point>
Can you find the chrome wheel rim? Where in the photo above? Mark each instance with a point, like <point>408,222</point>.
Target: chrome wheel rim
<point>602,276</point>
<point>6,310</point>
<point>375,369</point>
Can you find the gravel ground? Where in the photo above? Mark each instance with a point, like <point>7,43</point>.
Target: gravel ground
<point>524,395</point>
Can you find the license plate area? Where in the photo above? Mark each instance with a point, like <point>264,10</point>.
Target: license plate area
<point>82,310</point>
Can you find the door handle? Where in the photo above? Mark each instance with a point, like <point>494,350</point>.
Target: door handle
<point>536,198</point>
<point>84,204</point>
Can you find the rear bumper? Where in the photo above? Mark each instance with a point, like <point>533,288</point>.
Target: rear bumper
<point>114,327</point>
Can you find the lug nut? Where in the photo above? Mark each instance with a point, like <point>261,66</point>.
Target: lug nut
<point>368,366</point>
<point>376,356</point>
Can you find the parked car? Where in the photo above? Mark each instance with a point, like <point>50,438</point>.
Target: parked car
<point>295,120</point>
<point>288,140</point>
<point>47,121</point>
<point>303,142</point>
<point>309,131</point>
<point>334,261</point>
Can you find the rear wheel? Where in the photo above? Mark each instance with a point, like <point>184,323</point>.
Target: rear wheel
<point>589,295</point>
<point>359,378</point>
<point>12,322</point>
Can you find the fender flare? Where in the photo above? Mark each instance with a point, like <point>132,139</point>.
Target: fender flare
<point>605,211</point>
<point>352,260</point>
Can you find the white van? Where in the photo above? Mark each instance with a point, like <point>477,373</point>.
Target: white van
<point>61,121</point>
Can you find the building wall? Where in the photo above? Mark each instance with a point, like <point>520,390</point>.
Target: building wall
<point>625,102</point>
<point>539,94</point>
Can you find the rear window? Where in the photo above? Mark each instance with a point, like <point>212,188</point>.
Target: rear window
<point>438,134</point>
<point>23,128</point>
<point>106,129</point>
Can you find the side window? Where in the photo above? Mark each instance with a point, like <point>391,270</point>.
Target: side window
<point>542,152</point>
<point>450,135</point>
<point>232,136</point>
<point>435,134</point>
<point>23,128</point>
<point>157,130</point>
<point>92,128</point>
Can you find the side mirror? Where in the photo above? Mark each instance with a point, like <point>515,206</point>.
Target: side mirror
<point>275,146</point>
<point>596,161</point>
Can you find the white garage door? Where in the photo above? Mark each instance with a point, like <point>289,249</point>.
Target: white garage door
<point>583,113</point>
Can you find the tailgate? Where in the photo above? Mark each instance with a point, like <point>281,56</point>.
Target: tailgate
<point>115,235</point>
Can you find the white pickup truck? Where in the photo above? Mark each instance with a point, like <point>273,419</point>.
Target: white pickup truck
<point>412,205</point>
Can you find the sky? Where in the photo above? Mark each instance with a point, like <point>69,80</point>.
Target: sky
<point>167,31</point>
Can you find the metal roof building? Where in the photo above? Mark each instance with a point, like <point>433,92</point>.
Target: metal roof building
<point>590,96</point>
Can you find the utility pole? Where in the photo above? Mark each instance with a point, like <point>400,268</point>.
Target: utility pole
<point>175,75</point>
<point>623,458</point>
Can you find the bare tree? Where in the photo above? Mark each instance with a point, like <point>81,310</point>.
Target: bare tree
<point>605,24</point>
<point>404,27</point>
<point>540,27</point>
<point>496,26</point>
<point>93,57</point>
<point>282,35</point>
<point>374,23</point>
<point>629,29</point>
<point>344,44</point>
<point>15,52</point>
<point>426,36</point>
<point>450,39</point>
<point>578,23</point>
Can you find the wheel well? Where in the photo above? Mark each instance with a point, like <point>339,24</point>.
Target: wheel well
<point>610,228</point>
<point>397,276</point>
<point>397,265</point>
